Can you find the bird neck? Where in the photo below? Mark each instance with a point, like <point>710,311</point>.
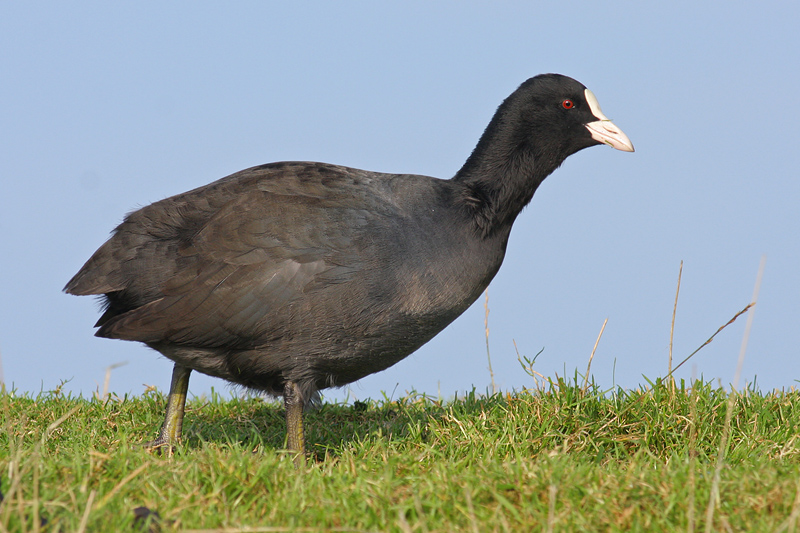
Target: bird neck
<point>502,174</point>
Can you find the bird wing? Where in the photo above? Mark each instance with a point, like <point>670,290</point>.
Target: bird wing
<point>238,278</point>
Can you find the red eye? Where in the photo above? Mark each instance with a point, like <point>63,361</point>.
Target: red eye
<point>567,104</point>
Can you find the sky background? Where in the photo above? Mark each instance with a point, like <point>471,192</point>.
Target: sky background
<point>107,107</point>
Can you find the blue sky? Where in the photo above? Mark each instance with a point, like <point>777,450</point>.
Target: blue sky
<point>106,107</point>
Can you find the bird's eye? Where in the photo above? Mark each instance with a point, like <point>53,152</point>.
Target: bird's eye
<point>567,104</point>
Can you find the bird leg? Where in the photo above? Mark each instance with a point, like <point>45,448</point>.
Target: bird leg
<point>170,432</point>
<point>295,440</point>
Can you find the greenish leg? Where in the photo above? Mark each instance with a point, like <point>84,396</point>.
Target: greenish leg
<point>295,439</point>
<point>170,432</point>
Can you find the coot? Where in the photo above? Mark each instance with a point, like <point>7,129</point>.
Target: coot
<point>293,277</point>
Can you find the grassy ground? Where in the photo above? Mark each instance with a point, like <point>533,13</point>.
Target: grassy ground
<point>552,459</point>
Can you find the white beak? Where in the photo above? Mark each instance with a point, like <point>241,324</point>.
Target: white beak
<point>603,130</point>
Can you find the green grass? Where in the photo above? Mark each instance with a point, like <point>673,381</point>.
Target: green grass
<point>550,459</point>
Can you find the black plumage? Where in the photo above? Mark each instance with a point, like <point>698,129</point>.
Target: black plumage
<point>293,277</point>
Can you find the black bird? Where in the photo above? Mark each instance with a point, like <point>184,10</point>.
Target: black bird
<point>293,277</point>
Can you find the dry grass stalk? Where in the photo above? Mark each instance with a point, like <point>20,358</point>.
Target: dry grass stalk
<point>672,327</point>
<point>711,338</point>
<point>107,379</point>
<point>486,326</point>
<point>551,509</point>
<point>471,508</point>
<point>85,517</point>
<point>589,366</point>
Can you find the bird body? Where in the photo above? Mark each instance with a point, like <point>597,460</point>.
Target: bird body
<point>308,272</point>
<point>293,277</point>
